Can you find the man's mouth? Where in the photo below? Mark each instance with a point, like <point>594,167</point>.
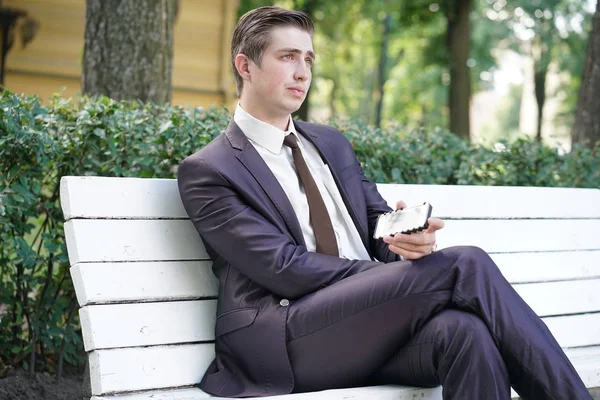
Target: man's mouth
<point>297,91</point>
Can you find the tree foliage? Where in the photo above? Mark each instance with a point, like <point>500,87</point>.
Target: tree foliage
<point>39,328</point>
<point>413,85</point>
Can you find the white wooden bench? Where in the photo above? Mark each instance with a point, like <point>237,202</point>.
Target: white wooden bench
<point>147,293</point>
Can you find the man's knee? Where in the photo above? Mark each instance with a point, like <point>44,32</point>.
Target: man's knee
<point>472,258</point>
<point>471,253</point>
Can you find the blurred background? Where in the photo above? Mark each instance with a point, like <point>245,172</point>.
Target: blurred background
<point>485,69</point>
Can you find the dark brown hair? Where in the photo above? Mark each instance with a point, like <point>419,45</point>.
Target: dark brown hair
<point>252,33</point>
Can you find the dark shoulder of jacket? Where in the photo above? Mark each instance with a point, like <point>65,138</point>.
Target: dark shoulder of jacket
<point>207,152</point>
<point>326,132</point>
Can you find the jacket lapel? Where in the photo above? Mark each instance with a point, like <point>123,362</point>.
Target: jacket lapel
<point>329,158</point>
<point>254,163</point>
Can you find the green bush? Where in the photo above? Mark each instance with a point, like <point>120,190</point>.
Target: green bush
<point>39,327</point>
<point>439,157</point>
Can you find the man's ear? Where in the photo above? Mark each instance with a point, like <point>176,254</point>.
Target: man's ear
<point>242,65</point>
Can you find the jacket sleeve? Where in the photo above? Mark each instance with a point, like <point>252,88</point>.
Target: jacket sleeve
<point>376,206</point>
<point>249,242</point>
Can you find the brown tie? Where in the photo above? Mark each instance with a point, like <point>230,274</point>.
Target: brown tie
<point>319,217</point>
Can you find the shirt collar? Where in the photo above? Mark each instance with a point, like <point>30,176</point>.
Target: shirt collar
<point>260,132</point>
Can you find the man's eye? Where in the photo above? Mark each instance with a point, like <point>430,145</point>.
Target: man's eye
<point>309,61</point>
<point>287,57</point>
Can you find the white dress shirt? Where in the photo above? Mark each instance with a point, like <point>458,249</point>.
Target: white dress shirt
<point>268,141</point>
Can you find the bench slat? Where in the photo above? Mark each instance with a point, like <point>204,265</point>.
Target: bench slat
<point>144,324</point>
<point>561,298</point>
<point>135,240</point>
<point>575,330</point>
<point>177,394</point>
<point>157,240</point>
<point>546,267</point>
<point>503,236</point>
<point>100,197</point>
<point>146,368</point>
<point>97,283</point>
<point>142,368</point>
<point>456,201</point>
<point>387,392</point>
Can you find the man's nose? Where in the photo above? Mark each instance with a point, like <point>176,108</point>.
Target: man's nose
<point>302,71</point>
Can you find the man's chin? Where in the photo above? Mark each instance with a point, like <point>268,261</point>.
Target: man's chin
<point>295,106</point>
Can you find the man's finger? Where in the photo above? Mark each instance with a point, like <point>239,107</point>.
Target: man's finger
<point>435,224</point>
<point>400,204</point>
<point>407,254</point>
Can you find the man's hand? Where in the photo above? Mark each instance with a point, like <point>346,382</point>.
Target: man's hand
<point>416,245</point>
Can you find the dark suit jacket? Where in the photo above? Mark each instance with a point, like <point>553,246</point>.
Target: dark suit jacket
<point>253,236</point>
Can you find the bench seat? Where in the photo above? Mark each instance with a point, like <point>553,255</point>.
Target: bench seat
<point>147,294</point>
<point>586,362</point>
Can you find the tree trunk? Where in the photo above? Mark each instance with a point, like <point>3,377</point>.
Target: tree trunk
<point>383,57</point>
<point>128,53</point>
<point>586,130</point>
<point>539,79</point>
<point>541,49</point>
<point>458,45</point>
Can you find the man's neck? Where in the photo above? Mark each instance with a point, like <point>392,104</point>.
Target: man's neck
<point>280,121</point>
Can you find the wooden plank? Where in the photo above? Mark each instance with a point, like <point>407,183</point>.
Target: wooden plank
<point>575,330</point>
<point>509,236</point>
<point>142,368</point>
<point>98,283</point>
<point>42,86</point>
<point>547,267</point>
<point>145,368</point>
<point>198,98</point>
<point>586,361</point>
<point>561,298</point>
<point>58,44</point>
<point>156,240</point>
<point>145,324</point>
<point>229,16</point>
<point>139,240</point>
<point>458,201</point>
<point>173,394</point>
<point>387,392</point>
<point>90,197</point>
<point>195,12</point>
<point>135,198</point>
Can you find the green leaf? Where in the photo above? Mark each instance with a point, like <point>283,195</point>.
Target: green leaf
<point>101,133</point>
<point>164,126</point>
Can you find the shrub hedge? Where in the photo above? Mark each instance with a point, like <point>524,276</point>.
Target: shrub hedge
<point>39,327</point>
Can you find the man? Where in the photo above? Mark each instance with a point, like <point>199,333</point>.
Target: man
<point>308,300</point>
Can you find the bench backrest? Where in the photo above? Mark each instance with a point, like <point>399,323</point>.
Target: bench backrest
<point>147,294</point>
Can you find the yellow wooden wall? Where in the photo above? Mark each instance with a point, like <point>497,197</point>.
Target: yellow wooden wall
<point>201,67</point>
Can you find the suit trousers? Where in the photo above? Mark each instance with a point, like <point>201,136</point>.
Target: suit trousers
<point>448,319</point>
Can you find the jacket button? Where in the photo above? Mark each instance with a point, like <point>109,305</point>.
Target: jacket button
<point>284,303</point>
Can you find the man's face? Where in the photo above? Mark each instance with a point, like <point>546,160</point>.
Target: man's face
<point>279,85</point>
